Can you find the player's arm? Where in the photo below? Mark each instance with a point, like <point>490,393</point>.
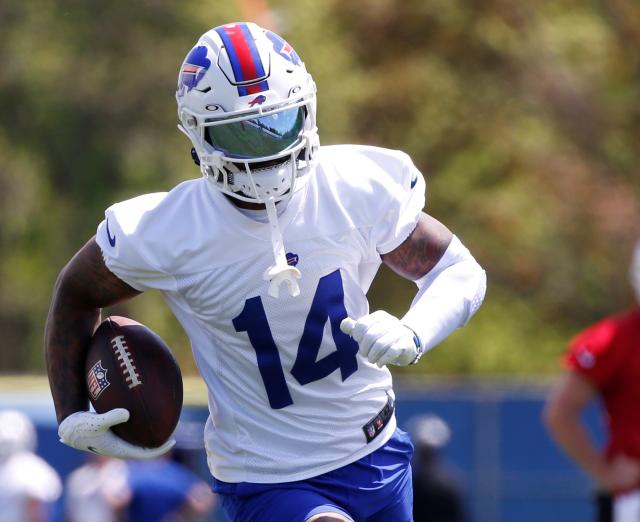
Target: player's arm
<point>451,287</point>
<point>562,416</point>
<point>421,251</point>
<point>84,286</point>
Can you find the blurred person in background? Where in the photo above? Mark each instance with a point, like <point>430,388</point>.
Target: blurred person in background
<point>162,490</point>
<point>28,485</point>
<point>437,493</point>
<point>603,363</point>
<point>302,410</point>
<point>93,490</point>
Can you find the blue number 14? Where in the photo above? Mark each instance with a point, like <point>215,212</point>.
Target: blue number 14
<point>328,303</point>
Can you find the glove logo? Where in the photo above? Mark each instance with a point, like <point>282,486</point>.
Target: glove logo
<point>97,380</point>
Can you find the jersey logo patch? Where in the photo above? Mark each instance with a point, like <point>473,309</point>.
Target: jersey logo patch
<point>112,240</point>
<point>585,358</point>
<point>374,427</point>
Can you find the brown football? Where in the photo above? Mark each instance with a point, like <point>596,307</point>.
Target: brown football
<point>130,366</point>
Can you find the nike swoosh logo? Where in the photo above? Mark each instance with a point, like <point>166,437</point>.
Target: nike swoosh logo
<point>112,240</point>
<point>91,448</point>
<point>413,184</point>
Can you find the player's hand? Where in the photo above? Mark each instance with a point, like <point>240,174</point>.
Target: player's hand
<point>89,431</point>
<point>623,475</point>
<point>383,339</point>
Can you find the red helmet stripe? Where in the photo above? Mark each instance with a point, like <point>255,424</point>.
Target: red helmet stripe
<point>244,57</point>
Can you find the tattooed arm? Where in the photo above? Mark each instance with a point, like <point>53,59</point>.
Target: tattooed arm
<point>420,252</point>
<point>85,285</point>
<point>451,287</point>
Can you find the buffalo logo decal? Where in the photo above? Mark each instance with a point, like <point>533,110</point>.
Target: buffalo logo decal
<point>193,69</point>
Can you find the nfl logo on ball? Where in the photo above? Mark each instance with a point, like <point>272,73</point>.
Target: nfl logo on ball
<point>97,380</point>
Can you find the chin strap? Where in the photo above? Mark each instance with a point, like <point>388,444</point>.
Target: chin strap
<point>281,271</point>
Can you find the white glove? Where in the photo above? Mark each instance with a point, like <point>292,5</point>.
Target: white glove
<point>89,431</point>
<point>383,339</point>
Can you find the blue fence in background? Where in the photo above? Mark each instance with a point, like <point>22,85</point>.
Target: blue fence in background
<point>510,471</point>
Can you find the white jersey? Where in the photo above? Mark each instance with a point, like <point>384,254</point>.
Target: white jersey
<point>289,396</point>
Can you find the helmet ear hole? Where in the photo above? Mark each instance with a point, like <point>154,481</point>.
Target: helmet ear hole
<point>189,121</point>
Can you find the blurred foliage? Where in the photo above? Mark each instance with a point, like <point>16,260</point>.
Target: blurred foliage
<point>523,116</point>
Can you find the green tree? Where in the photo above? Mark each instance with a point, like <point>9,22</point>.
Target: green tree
<point>523,117</point>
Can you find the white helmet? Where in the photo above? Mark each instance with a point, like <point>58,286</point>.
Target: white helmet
<point>17,433</point>
<point>248,105</point>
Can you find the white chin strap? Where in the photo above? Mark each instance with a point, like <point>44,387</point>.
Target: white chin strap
<point>281,271</point>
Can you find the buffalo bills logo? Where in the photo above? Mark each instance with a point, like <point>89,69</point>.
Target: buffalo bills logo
<point>285,50</point>
<point>292,259</point>
<point>193,69</point>
<point>258,100</point>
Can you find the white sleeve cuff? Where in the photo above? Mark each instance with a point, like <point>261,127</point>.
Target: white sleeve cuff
<point>448,296</point>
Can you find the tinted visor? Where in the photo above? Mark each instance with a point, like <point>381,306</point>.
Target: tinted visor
<point>259,137</point>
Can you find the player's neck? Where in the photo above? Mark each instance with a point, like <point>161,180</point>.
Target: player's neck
<point>252,206</point>
<point>246,204</point>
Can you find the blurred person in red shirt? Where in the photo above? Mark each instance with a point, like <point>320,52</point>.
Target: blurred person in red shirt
<point>603,362</point>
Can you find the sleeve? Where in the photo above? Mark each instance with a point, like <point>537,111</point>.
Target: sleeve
<point>593,354</point>
<point>405,198</point>
<point>127,244</point>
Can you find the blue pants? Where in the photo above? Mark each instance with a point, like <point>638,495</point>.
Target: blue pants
<point>376,488</point>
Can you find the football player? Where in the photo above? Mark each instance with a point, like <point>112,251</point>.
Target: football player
<point>603,363</point>
<point>266,261</point>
